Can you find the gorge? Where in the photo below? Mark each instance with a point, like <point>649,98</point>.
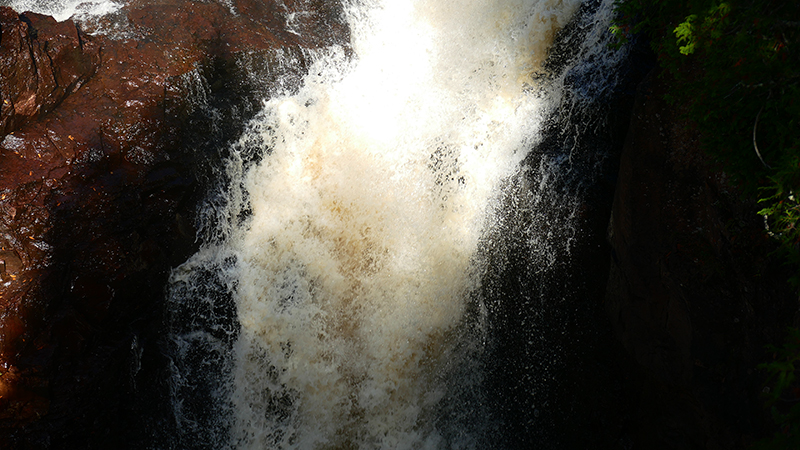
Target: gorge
<point>306,224</point>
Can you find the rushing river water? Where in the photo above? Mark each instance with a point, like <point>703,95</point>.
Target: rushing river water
<point>354,270</point>
<point>64,9</point>
<point>346,294</point>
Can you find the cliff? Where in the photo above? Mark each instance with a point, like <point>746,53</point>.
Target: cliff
<point>695,292</point>
<point>102,142</point>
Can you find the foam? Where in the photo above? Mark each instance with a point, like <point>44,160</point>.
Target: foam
<point>65,9</point>
<point>355,266</point>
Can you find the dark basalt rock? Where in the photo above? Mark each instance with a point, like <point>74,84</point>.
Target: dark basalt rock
<point>101,143</point>
<point>694,293</point>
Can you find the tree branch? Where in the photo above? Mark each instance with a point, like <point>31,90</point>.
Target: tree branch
<point>755,144</point>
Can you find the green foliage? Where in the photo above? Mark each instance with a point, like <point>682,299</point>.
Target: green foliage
<point>686,33</point>
<point>712,27</point>
<point>783,213</point>
<point>630,20</point>
<point>734,66</point>
<point>782,394</point>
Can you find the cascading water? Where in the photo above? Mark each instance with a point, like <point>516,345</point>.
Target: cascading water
<point>352,289</point>
<point>337,301</point>
<point>64,9</point>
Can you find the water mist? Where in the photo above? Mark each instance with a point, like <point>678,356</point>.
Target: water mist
<point>372,224</point>
<point>336,302</point>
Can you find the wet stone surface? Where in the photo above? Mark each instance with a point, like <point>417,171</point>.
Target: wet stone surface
<point>102,141</point>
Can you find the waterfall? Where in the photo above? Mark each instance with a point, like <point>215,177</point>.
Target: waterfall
<point>355,280</point>
<point>337,300</point>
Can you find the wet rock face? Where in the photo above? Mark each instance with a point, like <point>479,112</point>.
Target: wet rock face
<point>694,294</point>
<point>43,62</point>
<point>102,139</point>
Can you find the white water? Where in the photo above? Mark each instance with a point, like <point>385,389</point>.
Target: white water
<point>350,250</point>
<point>356,264</point>
<point>355,320</point>
<point>64,9</point>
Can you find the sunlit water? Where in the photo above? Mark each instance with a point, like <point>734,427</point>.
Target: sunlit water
<point>65,9</point>
<point>336,300</point>
<point>350,249</point>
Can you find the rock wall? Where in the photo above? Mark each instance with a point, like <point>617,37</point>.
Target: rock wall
<point>694,294</point>
<point>102,141</point>
<point>43,62</point>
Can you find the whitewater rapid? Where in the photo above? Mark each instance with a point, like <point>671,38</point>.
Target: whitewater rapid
<point>65,9</point>
<point>355,262</point>
<point>336,299</point>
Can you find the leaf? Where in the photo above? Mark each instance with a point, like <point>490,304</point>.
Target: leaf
<point>685,33</point>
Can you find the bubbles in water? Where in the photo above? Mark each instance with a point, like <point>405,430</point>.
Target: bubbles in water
<point>64,9</point>
<point>352,243</point>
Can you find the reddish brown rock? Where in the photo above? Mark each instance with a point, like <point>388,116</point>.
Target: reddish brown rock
<point>101,140</point>
<point>694,294</point>
<point>43,62</point>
